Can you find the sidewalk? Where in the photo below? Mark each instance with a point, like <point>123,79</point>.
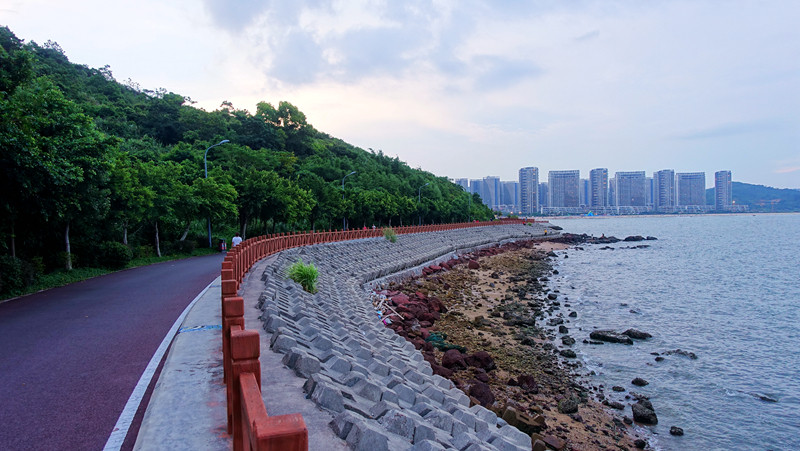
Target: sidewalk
<point>187,409</point>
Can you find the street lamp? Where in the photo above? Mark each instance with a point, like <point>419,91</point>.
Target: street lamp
<point>344,222</point>
<point>205,168</point>
<point>419,200</point>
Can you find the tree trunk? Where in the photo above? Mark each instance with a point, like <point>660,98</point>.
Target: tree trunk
<point>125,233</point>
<point>13,241</point>
<point>68,262</point>
<point>186,230</point>
<point>244,229</point>
<point>158,244</point>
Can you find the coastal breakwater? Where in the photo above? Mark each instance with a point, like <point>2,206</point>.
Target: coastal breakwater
<point>381,391</point>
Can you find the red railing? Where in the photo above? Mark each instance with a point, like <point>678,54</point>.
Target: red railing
<point>248,421</point>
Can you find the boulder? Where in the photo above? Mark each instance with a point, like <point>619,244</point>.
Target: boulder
<point>610,336</point>
<point>453,359</point>
<point>644,413</point>
<point>637,334</point>
<point>482,393</point>
<point>639,382</point>
<point>568,405</point>
<point>555,442</point>
<point>634,238</point>
<point>568,353</point>
<point>527,383</point>
<point>481,359</point>
<point>473,264</point>
<point>675,430</point>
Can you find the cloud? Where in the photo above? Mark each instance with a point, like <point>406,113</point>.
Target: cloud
<point>787,170</point>
<point>588,36</point>
<point>730,129</point>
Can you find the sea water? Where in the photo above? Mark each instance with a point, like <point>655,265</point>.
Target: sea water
<point>726,288</point>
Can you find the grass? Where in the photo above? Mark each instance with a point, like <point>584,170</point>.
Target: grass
<point>389,234</point>
<point>63,277</point>
<point>305,275</point>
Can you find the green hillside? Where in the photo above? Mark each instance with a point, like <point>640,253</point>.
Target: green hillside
<point>761,198</point>
<point>87,161</point>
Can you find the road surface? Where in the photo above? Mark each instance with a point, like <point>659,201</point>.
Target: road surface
<point>71,356</point>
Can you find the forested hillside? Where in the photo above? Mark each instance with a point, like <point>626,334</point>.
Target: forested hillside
<point>88,161</point>
<point>761,198</point>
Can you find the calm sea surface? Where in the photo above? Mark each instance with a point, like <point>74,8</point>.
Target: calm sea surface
<point>726,288</point>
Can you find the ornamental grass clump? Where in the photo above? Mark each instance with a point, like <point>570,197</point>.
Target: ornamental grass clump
<point>389,234</point>
<point>305,275</point>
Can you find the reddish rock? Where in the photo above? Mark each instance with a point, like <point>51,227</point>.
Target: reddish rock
<point>436,305</point>
<point>481,359</point>
<point>482,393</point>
<point>555,442</point>
<point>399,299</point>
<point>453,359</point>
<point>473,264</point>
<point>445,266</point>
<point>527,383</point>
<point>435,268</point>
<point>420,295</point>
<point>442,371</point>
<point>482,376</point>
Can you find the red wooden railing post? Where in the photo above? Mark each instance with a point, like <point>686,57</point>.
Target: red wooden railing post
<point>245,351</point>
<point>232,315</point>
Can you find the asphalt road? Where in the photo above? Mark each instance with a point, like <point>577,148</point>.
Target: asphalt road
<point>71,356</point>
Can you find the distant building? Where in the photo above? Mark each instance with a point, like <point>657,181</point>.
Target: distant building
<point>664,189</point>
<point>648,186</point>
<point>612,192</point>
<point>723,196</point>
<point>509,201</point>
<point>491,192</point>
<point>544,195</point>
<point>464,183</point>
<point>564,188</point>
<point>598,187</point>
<point>529,190</point>
<point>631,189</point>
<point>690,188</point>
<point>584,197</point>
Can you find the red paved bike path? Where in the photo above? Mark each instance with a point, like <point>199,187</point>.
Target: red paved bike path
<point>71,356</point>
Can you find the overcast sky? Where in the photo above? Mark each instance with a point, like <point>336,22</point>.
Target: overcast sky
<point>475,88</point>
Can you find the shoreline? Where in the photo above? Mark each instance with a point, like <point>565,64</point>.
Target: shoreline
<point>496,305</point>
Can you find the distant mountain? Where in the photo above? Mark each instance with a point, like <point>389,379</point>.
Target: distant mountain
<point>761,198</point>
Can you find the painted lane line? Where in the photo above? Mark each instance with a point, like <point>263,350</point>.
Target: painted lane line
<point>120,431</point>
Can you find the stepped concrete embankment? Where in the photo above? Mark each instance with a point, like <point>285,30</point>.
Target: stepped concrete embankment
<point>376,387</point>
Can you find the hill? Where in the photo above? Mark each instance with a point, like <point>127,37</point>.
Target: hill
<point>761,198</point>
<point>88,162</point>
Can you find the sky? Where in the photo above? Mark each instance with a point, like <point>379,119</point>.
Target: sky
<point>470,88</point>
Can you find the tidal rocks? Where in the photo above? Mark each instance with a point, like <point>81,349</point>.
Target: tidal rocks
<point>482,393</point>
<point>454,360</point>
<point>639,382</point>
<point>482,360</point>
<point>637,334</point>
<point>643,412</point>
<point>675,430</point>
<point>679,351</point>
<point>568,405</point>
<point>610,336</point>
<point>634,238</point>
<point>568,353</point>
<point>567,340</point>
<point>639,443</point>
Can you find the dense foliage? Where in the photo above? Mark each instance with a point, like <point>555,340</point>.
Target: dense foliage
<point>761,198</point>
<point>87,160</point>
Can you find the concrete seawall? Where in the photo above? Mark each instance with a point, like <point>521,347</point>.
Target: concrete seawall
<point>378,389</point>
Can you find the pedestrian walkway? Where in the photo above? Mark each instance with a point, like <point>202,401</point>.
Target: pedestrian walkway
<point>187,409</point>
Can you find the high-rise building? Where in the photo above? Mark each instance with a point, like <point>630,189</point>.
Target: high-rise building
<point>544,195</point>
<point>612,192</point>
<point>598,187</point>
<point>491,191</point>
<point>583,201</point>
<point>510,196</point>
<point>690,188</point>
<point>529,190</point>
<point>631,189</point>
<point>664,189</point>
<point>464,183</point>
<point>723,196</point>
<point>649,191</point>
<point>564,187</point>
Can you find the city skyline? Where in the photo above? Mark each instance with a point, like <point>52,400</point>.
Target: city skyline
<point>459,89</point>
<point>664,191</point>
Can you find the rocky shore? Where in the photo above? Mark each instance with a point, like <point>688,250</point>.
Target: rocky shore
<point>488,322</point>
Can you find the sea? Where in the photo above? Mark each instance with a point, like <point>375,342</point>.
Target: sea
<point>723,287</point>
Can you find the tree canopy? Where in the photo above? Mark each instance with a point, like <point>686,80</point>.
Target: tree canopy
<point>86,159</point>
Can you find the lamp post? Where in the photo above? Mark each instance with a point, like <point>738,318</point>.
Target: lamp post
<point>344,222</point>
<point>205,168</point>
<point>419,200</point>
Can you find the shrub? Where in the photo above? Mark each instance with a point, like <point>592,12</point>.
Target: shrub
<point>114,255</point>
<point>15,274</point>
<point>184,247</point>
<point>305,275</point>
<point>144,251</point>
<point>389,234</point>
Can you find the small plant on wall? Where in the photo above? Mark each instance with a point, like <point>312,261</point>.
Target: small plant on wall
<point>304,274</point>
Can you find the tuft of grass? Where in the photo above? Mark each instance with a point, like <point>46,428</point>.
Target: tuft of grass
<point>389,234</point>
<point>304,274</point>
